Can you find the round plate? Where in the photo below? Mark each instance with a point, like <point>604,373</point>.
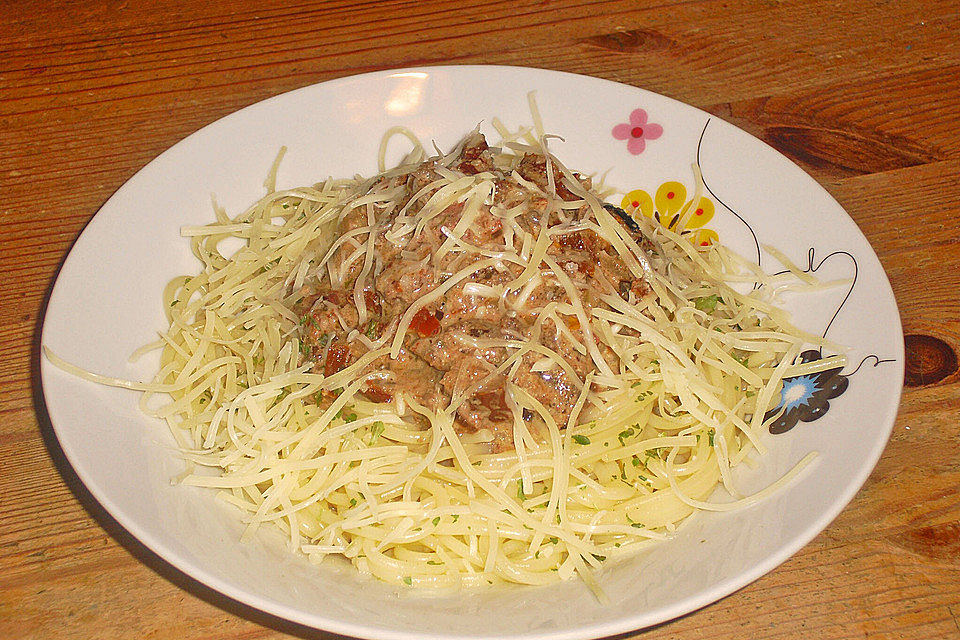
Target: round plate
<point>107,302</point>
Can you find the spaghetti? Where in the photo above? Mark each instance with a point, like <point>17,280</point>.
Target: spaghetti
<point>608,409</point>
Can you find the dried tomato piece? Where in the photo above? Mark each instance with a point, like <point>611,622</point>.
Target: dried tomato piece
<point>376,393</point>
<point>336,359</point>
<point>372,300</point>
<point>425,324</point>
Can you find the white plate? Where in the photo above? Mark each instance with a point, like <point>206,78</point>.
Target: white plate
<point>106,303</point>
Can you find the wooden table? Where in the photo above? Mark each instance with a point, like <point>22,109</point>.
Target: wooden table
<point>864,95</point>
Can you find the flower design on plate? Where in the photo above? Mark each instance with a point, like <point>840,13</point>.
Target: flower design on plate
<point>806,398</point>
<point>670,207</point>
<point>637,131</point>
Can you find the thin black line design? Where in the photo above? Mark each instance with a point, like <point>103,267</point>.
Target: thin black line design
<point>756,243</point>
<point>812,265</point>
<point>877,362</point>
<point>812,268</point>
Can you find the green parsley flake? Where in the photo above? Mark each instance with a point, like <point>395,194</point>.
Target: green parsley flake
<point>579,439</point>
<point>436,521</point>
<point>520,494</point>
<point>407,580</point>
<point>375,431</point>
<point>707,304</point>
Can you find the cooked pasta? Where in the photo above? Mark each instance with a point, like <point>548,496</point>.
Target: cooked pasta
<point>606,375</point>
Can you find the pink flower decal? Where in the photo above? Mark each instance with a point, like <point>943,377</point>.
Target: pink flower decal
<point>637,131</point>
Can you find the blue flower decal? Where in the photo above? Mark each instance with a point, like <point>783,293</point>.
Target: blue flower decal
<point>806,398</point>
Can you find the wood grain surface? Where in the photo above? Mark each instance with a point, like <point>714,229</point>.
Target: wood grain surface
<point>865,96</point>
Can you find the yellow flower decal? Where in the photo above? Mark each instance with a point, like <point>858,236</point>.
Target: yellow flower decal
<point>670,207</point>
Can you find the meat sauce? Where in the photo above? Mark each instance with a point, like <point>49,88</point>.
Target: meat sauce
<point>454,347</point>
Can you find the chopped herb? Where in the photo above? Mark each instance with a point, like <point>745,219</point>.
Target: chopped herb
<point>407,580</point>
<point>520,494</point>
<point>638,525</point>
<point>373,329</point>
<point>651,453</point>
<point>174,303</point>
<point>456,517</point>
<point>638,383</point>
<point>579,439</point>
<point>353,502</point>
<point>553,540</point>
<point>708,303</point>
<point>375,430</point>
<point>318,396</point>
<point>654,362</point>
<point>436,521</point>
<point>623,474</point>
<point>434,562</point>
<point>636,461</point>
<point>599,557</point>
<point>349,417</point>
<point>710,435</point>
